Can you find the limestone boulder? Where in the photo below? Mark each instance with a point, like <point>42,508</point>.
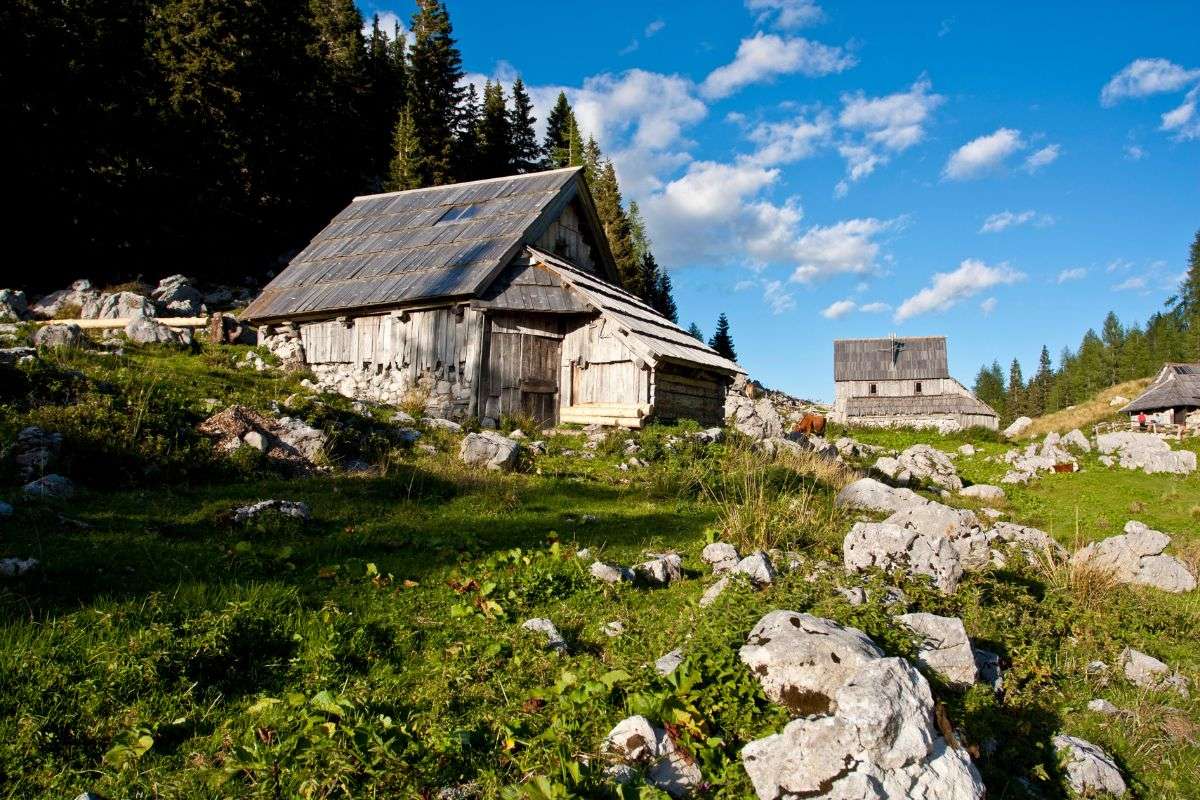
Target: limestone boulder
<point>713,592</point>
<point>489,449</point>
<point>544,628</point>
<point>802,660</point>
<point>929,464</point>
<point>1018,427</point>
<point>871,495</point>
<point>310,442</point>
<point>944,646</point>
<point>966,450</point>
<point>147,330</point>
<point>881,545</point>
<point>1145,451</point>
<point>879,741</point>
<point>56,337</point>
<point>292,509</point>
<point>983,492</point>
<point>892,468</point>
<point>13,306</point>
<point>1147,672</point>
<point>1075,440</point>
<point>661,570</point>
<point>1090,770</point>
<point>176,297</point>
<point>610,573</point>
<point>121,305</point>
<point>636,744</point>
<point>758,568</point>
<point>65,301</point>
<point>757,419</point>
<point>1137,557</point>
<point>722,556</point>
<point>49,487</point>
<point>936,519</point>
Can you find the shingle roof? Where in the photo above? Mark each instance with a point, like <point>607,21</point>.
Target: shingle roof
<point>650,335</point>
<point>399,248</point>
<point>524,286</point>
<point>1177,386</point>
<point>899,358</point>
<point>917,405</point>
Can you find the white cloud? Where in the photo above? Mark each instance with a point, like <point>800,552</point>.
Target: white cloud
<point>988,306</point>
<point>839,309</point>
<point>1135,152</point>
<point>790,140</point>
<point>1118,265</point>
<point>878,126</point>
<point>1044,156</point>
<point>947,289</point>
<point>874,308</point>
<point>1130,284</point>
<point>1073,274</point>
<point>844,247</point>
<point>633,45</point>
<point>744,284</point>
<point>1006,219</point>
<point>787,13</point>
<point>945,27</point>
<point>654,27</point>
<point>766,55</point>
<point>982,154</point>
<point>389,21</point>
<point>1183,120</point>
<point>777,298</point>
<point>1144,77</point>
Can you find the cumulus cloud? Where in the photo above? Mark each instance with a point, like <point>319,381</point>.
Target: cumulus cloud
<point>878,126</point>
<point>848,246</point>
<point>1007,219</point>
<point>767,55</point>
<point>1042,157</point>
<point>980,155</point>
<point>787,13</point>
<point>790,140</point>
<point>1073,274</point>
<point>948,289</point>
<point>1130,284</point>
<point>988,306</point>
<point>1183,121</point>
<point>777,298</point>
<point>839,309</point>
<point>1144,77</point>
<point>874,308</point>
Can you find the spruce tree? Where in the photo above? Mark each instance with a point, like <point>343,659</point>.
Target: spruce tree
<point>575,151</point>
<point>466,137</point>
<point>435,69</point>
<point>722,340</point>
<point>1016,391</point>
<point>386,73</point>
<point>637,232</point>
<point>402,171</point>
<point>989,387</point>
<point>664,300</point>
<point>694,331</point>
<point>495,135</point>
<point>556,144</point>
<point>526,152</point>
<point>592,161</point>
<point>1039,387</point>
<point>607,194</point>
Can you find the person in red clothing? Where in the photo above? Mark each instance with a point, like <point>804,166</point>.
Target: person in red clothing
<point>1142,420</point>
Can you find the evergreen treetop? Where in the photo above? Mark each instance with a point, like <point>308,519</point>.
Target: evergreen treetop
<point>526,152</point>
<point>722,339</point>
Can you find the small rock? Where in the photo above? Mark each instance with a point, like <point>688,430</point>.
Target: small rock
<point>713,592</point>
<point>1102,706</point>
<point>609,573</point>
<point>13,305</point>
<point>722,556</point>
<point>438,423</point>
<point>54,337</point>
<point>545,627</point>
<point>287,508</point>
<point>517,435</point>
<point>984,492</point>
<point>987,664</point>
<point>855,596</point>
<point>1090,770</point>
<point>758,568</point>
<point>636,742</point>
<point>256,440</point>
<point>16,567</point>
<point>945,648</point>
<point>1148,672</point>
<point>666,664</point>
<point>614,629</point>
<point>661,570</point>
<point>489,449</point>
<point>966,450</point>
<point>50,486</point>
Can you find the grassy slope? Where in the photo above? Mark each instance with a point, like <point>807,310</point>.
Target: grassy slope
<point>163,653</point>
<point>1089,412</point>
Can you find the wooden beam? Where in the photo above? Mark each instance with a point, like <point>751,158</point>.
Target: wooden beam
<point>112,324</point>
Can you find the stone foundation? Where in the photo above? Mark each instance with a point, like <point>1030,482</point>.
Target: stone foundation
<point>385,384</point>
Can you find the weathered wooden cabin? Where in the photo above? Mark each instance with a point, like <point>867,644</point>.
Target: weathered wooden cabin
<point>1171,398</point>
<point>488,299</point>
<point>902,383</point>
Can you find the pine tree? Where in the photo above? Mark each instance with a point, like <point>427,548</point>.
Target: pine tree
<point>402,172</point>
<point>637,232</point>
<point>607,194</point>
<point>722,340</point>
<point>694,330</point>
<point>989,387</point>
<point>495,135</point>
<point>434,94</point>
<point>527,154</point>
<point>1016,391</point>
<point>556,144</point>
<point>664,299</point>
<point>467,155</point>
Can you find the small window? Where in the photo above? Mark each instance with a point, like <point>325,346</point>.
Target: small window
<point>459,213</point>
<point>873,390</point>
<point>918,387</point>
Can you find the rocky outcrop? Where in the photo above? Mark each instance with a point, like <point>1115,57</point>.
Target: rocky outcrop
<point>55,337</point>
<point>1090,770</point>
<point>489,449</point>
<point>1137,557</point>
<point>13,306</point>
<point>1145,451</point>
<point>881,545</point>
<point>635,744</point>
<point>871,495</point>
<point>757,419</point>
<point>286,442</point>
<point>1018,427</point>
<point>1049,456</point>
<point>944,646</point>
<point>1148,672</point>
<point>936,519</point>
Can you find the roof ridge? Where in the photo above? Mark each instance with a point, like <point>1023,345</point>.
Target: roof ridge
<point>518,176</point>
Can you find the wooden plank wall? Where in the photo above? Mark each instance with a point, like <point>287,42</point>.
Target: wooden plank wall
<point>597,367</point>
<point>565,237</point>
<point>522,374</point>
<point>680,394</point>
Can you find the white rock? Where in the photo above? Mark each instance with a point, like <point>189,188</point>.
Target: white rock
<point>802,661</point>
<point>891,467</point>
<point>1118,400</point>
<point>944,647</point>
<point>1102,706</point>
<point>1090,770</point>
<point>983,491</point>
<point>936,519</point>
<point>661,570</point>
<point>870,494</point>
<point>884,546</point>
<point>614,629</point>
<point>16,567</point>
<point>256,440</point>
<point>544,627</point>
<point>1148,672</point>
<point>489,449</point>
<point>1018,427</point>
<point>930,464</point>
<point>713,592</point>
<point>666,664</point>
<point>1077,441</point>
<point>287,508</point>
<point>54,337</point>
<point>610,573</point>
<point>308,441</point>
<point>721,555</point>
<point>1136,557</point>
<point>1145,451</point>
<point>758,568</point>
<point>636,742</point>
<point>439,423</point>
<point>517,435</point>
<point>966,450</point>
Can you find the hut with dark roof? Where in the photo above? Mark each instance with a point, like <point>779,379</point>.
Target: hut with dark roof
<point>902,382</point>
<point>488,299</point>
<point>1171,398</point>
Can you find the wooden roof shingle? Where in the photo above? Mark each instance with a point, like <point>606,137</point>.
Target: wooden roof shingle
<point>893,358</point>
<point>1177,386</point>
<point>917,405</point>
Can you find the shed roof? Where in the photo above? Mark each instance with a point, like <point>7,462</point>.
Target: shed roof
<point>389,250</point>
<point>917,405</point>
<point>1177,386</point>
<point>649,334</point>
<point>893,358</point>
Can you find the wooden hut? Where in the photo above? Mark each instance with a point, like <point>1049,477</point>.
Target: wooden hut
<point>488,299</point>
<point>1171,398</point>
<point>896,382</point>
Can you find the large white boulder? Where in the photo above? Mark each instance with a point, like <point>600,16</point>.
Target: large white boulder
<point>944,646</point>
<point>936,519</point>
<point>1147,672</point>
<point>147,330</point>
<point>1018,427</point>
<point>1090,770</point>
<point>930,464</point>
<point>878,741</point>
<point>65,301</point>
<point>871,495</point>
<point>802,661</point>
<point>121,305</point>
<point>885,546</point>
<point>983,492</point>
<point>489,449</point>
<point>1137,557</point>
<point>1075,440</point>
<point>1145,451</point>
<point>55,337</point>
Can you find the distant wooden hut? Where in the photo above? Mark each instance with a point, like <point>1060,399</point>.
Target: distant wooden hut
<point>902,382</point>
<point>1171,398</point>
<point>486,299</point>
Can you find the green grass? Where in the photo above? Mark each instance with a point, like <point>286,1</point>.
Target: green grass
<point>377,651</point>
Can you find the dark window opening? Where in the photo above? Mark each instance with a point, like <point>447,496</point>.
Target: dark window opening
<point>918,387</point>
<point>873,389</point>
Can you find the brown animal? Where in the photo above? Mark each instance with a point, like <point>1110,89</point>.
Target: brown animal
<point>1068,467</point>
<point>810,423</point>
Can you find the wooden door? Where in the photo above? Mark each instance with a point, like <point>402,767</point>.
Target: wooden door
<point>539,378</point>
<point>523,361</point>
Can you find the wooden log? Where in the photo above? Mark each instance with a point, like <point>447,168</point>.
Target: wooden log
<point>112,324</point>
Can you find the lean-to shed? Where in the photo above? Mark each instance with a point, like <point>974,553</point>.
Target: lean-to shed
<point>488,299</point>
<point>902,382</point>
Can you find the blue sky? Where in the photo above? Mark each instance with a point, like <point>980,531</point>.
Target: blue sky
<point>1002,174</point>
